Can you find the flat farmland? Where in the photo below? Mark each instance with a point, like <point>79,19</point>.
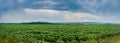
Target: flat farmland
<point>57,33</point>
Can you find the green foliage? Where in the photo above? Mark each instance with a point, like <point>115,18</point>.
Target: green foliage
<point>59,41</point>
<point>57,33</point>
<point>74,41</point>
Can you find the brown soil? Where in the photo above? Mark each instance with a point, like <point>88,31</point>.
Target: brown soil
<point>118,41</point>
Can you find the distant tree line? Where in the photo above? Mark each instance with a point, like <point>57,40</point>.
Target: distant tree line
<point>35,23</point>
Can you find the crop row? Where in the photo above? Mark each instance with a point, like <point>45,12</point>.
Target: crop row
<point>58,33</point>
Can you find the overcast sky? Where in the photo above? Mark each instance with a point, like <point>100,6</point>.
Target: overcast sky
<point>15,11</point>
